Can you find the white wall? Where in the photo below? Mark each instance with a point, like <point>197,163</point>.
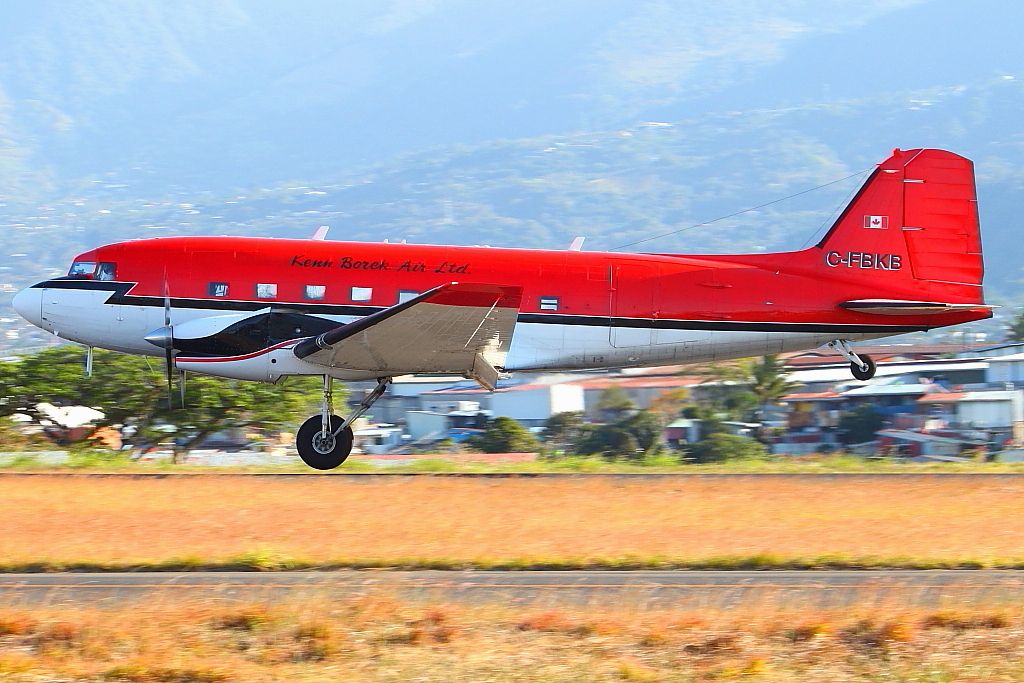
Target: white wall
<point>986,414</point>
<point>567,398</point>
<point>1008,371</point>
<point>420,424</point>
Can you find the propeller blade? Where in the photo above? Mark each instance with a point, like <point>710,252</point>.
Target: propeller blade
<point>181,386</point>
<point>167,301</point>
<point>169,346</point>
<point>169,366</point>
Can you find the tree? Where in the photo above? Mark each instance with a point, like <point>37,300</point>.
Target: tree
<point>740,403</point>
<point>769,381</point>
<point>669,404</point>
<point>860,424</point>
<point>721,447</point>
<point>632,437</point>
<point>128,390</point>
<point>614,402</point>
<point>1015,332</point>
<point>563,430</point>
<point>505,435</point>
<point>609,440</point>
<point>646,428</point>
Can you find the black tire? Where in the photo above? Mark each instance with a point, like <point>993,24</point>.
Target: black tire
<point>860,374</point>
<point>306,441</point>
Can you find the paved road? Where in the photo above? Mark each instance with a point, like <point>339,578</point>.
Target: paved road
<point>650,588</point>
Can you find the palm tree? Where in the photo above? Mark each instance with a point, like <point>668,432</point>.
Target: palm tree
<point>768,382</point>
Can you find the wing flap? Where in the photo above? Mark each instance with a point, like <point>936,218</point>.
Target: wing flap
<point>455,328</point>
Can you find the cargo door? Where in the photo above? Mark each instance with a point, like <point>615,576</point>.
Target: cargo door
<point>633,304</point>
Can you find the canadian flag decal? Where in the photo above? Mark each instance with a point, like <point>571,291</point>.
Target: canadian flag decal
<point>876,222</point>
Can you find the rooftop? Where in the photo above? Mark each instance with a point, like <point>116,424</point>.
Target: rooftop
<point>958,396</point>
<point>812,396</point>
<point>841,373</point>
<point>894,389</point>
<point>921,437</point>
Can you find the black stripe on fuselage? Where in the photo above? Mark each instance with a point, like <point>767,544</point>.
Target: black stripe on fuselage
<point>119,296</point>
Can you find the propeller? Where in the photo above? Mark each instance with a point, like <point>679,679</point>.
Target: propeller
<point>164,338</point>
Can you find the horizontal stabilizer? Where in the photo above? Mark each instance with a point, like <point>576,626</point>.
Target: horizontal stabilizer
<point>902,307</point>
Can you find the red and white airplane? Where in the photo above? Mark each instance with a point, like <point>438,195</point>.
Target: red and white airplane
<point>905,255</point>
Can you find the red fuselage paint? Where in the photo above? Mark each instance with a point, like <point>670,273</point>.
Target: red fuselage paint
<point>797,287</point>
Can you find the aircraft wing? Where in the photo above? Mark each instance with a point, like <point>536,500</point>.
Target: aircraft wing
<point>455,328</point>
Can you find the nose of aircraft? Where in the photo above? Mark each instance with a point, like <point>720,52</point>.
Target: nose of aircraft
<point>28,303</point>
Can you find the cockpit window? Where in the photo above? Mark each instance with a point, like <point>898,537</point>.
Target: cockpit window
<point>82,268</point>
<point>90,270</point>
<point>106,271</point>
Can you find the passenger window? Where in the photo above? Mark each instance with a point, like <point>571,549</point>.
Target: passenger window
<point>106,271</point>
<point>406,294</point>
<point>218,289</point>
<point>266,291</point>
<point>316,292</point>
<point>549,303</point>
<point>362,293</point>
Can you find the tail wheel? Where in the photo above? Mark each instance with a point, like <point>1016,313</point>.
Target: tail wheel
<point>863,373</point>
<point>318,451</point>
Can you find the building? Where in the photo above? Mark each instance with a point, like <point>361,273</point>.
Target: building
<point>530,403</point>
<point>915,445</point>
<point>995,415</point>
<point>1006,369</point>
<point>642,390</point>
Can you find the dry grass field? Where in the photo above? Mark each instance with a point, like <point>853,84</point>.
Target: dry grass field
<point>49,522</point>
<point>378,638</point>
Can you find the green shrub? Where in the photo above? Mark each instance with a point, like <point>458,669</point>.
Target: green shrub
<point>725,447</point>
<point>505,435</point>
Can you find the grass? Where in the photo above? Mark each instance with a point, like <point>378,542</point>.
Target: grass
<point>182,639</point>
<point>107,461</point>
<point>53,523</point>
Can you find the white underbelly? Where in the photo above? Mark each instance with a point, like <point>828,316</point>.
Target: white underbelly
<point>541,346</point>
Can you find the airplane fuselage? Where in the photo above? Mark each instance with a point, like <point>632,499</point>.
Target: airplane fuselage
<point>579,309</point>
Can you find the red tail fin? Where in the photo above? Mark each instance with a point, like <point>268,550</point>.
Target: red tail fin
<point>917,214</point>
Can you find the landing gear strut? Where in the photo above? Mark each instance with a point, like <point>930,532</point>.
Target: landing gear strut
<point>861,365</point>
<point>324,441</point>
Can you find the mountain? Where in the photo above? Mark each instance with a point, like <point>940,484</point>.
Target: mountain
<point>507,124</point>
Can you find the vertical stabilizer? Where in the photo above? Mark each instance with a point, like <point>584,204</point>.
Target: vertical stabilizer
<point>916,218</point>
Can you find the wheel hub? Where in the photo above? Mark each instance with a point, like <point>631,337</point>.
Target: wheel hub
<point>323,444</point>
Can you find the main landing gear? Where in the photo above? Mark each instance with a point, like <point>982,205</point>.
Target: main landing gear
<point>861,365</point>
<point>324,441</point>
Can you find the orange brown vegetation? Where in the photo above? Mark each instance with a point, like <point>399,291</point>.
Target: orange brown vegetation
<point>57,521</point>
<point>315,637</point>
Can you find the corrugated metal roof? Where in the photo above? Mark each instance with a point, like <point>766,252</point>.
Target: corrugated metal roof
<point>891,390</point>
<point>841,373</point>
<point>813,396</point>
<point>920,437</point>
<point>976,396</point>
<point>1012,358</point>
<point>641,382</point>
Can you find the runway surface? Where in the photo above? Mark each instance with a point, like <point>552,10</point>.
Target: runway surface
<point>356,477</point>
<point>646,588</point>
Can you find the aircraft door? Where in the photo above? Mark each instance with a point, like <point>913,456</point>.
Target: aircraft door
<point>633,304</point>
